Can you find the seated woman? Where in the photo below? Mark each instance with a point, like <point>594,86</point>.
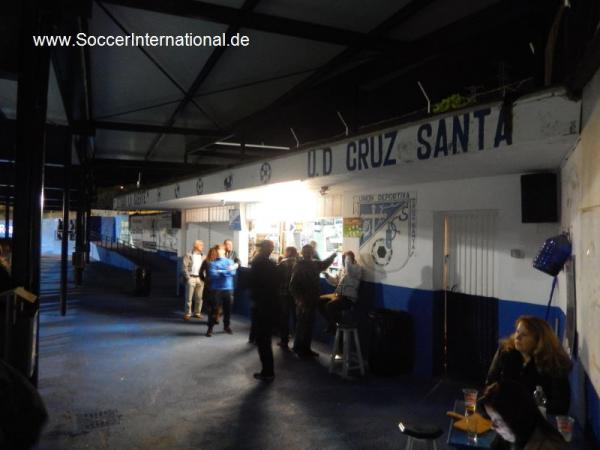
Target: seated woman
<point>517,420</point>
<point>346,292</point>
<point>532,356</point>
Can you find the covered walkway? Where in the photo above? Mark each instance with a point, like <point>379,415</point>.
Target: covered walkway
<point>125,372</point>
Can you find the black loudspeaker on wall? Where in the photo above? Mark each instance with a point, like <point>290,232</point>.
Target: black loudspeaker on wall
<point>539,198</point>
<point>176,219</point>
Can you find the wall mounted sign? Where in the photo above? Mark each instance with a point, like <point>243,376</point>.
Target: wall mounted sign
<point>265,172</point>
<point>228,182</point>
<point>235,220</point>
<point>450,140</point>
<point>388,229</point>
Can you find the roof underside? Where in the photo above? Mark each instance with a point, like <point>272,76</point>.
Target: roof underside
<point>313,71</point>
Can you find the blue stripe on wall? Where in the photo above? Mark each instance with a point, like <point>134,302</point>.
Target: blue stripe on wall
<point>509,312</point>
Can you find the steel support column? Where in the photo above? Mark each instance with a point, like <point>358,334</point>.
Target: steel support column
<point>64,251</point>
<point>32,93</point>
<point>6,215</point>
<point>79,259</point>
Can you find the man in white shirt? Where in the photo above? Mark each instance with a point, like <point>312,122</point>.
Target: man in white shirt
<point>194,285</point>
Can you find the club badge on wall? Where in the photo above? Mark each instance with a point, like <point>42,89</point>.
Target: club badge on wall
<point>228,182</point>
<point>199,186</point>
<point>265,172</point>
<point>388,229</point>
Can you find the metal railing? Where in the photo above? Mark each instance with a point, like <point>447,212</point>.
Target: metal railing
<point>127,249</point>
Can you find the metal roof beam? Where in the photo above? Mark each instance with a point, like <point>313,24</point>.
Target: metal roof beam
<point>434,43</point>
<point>399,17</point>
<point>144,128</point>
<point>120,164</point>
<point>206,70</point>
<point>257,21</point>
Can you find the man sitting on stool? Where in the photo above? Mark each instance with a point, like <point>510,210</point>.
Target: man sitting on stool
<point>193,284</point>
<point>347,283</point>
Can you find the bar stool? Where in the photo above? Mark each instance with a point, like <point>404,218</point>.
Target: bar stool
<point>422,435</point>
<point>345,335</point>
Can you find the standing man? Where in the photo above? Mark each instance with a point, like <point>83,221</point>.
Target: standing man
<point>287,306</point>
<point>193,284</point>
<point>221,272</point>
<point>305,287</point>
<point>230,252</point>
<point>265,286</point>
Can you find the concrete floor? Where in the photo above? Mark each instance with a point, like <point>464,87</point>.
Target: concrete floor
<point>124,372</point>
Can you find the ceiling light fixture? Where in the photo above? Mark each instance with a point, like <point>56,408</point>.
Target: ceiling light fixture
<point>237,144</point>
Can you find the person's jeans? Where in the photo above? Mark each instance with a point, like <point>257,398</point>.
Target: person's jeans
<point>225,299</point>
<point>264,329</point>
<point>305,314</point>
<point>193,293</point>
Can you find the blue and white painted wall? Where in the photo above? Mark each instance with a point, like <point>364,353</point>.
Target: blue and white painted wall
<point>51,245</point>
<point>580,175</point>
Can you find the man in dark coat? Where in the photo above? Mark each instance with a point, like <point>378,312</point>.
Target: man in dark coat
<point>265,290</point>
<point>305,287</point>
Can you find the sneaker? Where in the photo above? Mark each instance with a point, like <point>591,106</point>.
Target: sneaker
<point>198,316</point>
<point>209,333</point>
<point>262,377</point>
<point>228,330</point>
<point>187,317</point>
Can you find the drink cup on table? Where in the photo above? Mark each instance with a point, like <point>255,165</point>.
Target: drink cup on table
<point>565,426</point>
<point>470,401</point>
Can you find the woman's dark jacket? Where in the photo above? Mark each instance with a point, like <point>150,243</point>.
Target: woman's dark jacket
<point>508,365</point>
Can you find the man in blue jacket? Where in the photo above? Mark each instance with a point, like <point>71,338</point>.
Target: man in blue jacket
<point>221,272</point>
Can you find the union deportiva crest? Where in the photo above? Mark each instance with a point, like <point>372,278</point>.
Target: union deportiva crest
<point>388,230</point>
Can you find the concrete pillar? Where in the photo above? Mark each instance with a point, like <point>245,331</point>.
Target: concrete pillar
<point>240,238</point>
<point>64,250</point>
<point>32,93</point>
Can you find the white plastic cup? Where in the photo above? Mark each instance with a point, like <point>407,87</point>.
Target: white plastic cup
<point>565,426</point>
<point>470,400</point>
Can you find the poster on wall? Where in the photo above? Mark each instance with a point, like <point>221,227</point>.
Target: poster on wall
<point>352,227</point>
<point>153,232</point>
<point>388,229</point>
<point>235,220</point>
